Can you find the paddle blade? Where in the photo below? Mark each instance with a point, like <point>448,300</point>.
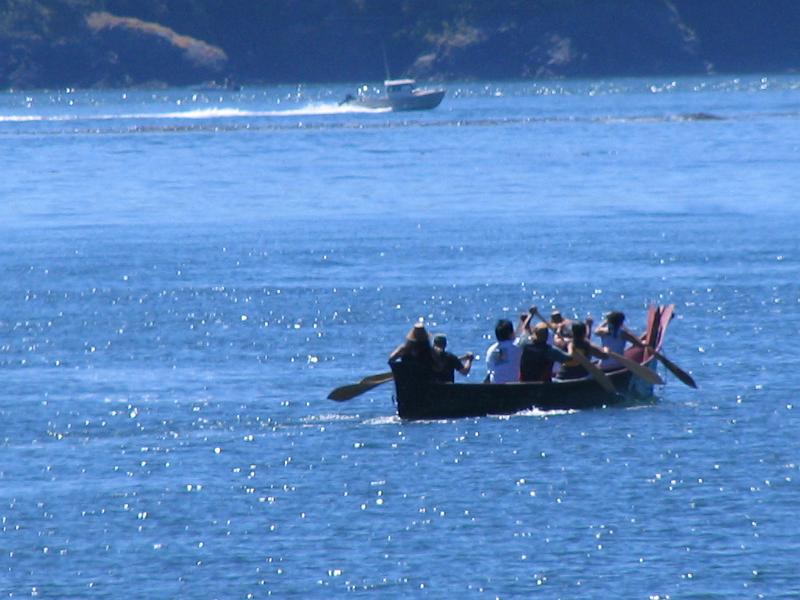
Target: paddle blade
<point>676,370</point>
<point>598,374</point>
<point>348,392</point>
<point>640,371</point>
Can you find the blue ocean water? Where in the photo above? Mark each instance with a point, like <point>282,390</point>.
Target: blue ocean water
<point>187,273</point>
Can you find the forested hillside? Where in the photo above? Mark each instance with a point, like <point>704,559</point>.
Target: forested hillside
<point>79,43</point>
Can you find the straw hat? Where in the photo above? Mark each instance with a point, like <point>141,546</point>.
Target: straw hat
<point>417,333</point>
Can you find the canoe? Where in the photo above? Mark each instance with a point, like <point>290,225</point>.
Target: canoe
<point>418,397</point>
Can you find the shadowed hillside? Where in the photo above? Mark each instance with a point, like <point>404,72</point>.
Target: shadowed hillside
<point>49,43</point>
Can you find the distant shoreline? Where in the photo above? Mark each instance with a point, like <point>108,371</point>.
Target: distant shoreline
<point>117,44</point>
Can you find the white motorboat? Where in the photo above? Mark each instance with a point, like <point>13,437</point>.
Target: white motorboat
<point>398,94</point>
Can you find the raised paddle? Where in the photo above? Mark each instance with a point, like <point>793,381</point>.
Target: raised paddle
<point>585,362</point>
<point>636,368</point>
<point>598,375</point>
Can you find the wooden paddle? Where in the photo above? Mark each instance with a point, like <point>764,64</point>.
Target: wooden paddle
<point>600,377</point>
<point>671,366</point>
<point>379,378</point>
<point>675,369</point>
<point>348,392</point>
<point>639,370</point>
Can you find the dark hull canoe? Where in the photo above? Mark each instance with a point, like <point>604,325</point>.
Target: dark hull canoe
<point>420,398</point>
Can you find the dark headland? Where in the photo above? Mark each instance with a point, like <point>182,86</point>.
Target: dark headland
<point>109,43</point>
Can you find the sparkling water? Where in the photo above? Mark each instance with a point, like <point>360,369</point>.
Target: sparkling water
<point>187,273</point>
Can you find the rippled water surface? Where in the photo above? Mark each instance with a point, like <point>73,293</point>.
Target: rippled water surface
<point>187,273</point>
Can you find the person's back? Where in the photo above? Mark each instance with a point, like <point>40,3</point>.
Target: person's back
<point>573,368</point>
<point>613,336</point>
<point>538,357</point>
<point>445,364</point>
<point>502,357</point>
<point>416,349</point>
<point>562,328</point>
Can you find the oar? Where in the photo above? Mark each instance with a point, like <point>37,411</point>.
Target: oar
<point>379,378</point>
<point>639,370</point>
<point>600,377</point>
<point>675,369</point>
<point>598,374</point>
<point>347,392</point>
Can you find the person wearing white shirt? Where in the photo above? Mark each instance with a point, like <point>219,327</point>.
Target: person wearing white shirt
<point>502,357</point>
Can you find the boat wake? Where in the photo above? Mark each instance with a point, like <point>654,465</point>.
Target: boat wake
<point>534,412</point>
<point>327,418</point>
<point>200,114</point>
<point>387,420</point>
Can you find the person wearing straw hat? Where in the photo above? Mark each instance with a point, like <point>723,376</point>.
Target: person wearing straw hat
<point>416,348</point>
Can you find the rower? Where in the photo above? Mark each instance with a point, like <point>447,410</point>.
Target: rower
<point>445,363</point>
<point>573,369</point>
<point>415,349</point>
<point>524,330</point>
<point>502,357</point>
<point>613,336</point>
<point>538,357</point>
<point>562,328</point>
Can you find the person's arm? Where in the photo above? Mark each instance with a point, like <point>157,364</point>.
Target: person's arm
<point>557,354</point>
<point>397,353</point>
<point>534,312</point>
<point>596,351</point>
<point>465,365</point>
<point>602,329</point>
<point>629,337</point>
<point>558,339</point>
<point>561,340</point>
<point>522,325</point>
<point>491,361</point>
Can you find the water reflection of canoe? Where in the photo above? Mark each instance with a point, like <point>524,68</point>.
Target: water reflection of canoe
<point>399,94</point>
<point>420,398</point>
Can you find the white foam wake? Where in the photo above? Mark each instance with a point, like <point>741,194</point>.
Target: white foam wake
<point>321,109</point>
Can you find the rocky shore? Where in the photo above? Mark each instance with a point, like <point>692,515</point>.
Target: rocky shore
<point>109,43</point>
